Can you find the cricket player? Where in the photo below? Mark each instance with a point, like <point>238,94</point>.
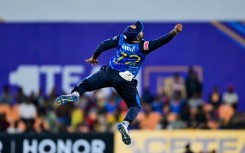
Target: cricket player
<point>131,50</point>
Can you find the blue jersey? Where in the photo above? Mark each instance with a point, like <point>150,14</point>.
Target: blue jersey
<point>128,58</point>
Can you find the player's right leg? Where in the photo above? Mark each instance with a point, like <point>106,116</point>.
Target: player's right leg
<point>93,82</point>
<point>128,91</point>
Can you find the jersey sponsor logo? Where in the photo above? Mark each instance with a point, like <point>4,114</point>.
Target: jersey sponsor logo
<point>146,45</point>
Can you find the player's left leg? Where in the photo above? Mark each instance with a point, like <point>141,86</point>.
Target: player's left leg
<point>128,91</point>
<point>93,82</point>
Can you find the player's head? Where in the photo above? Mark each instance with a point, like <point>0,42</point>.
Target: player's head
<point>134,32</point>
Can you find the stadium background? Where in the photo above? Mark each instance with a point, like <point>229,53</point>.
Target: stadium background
<point>43,45</point>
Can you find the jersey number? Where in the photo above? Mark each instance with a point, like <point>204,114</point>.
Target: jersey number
<point>124,55</point>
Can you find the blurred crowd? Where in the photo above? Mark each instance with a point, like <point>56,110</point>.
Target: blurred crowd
<point>180,105</point>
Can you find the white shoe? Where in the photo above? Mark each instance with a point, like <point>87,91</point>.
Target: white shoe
<point>63,99</point>
<point>123,129</point>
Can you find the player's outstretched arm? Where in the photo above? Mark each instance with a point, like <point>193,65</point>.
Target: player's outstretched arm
<point>149,46</point>
<point>105,45</point>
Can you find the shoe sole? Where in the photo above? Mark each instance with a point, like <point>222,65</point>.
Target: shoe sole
<point>61,100</point>
<point>125,137</point>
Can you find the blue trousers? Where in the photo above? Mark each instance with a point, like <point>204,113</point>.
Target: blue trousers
<point>108,77</point>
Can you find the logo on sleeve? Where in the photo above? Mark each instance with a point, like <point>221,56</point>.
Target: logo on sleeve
<point>146,45</point>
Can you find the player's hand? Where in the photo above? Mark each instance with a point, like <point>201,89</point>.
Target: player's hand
<point>92,61</point>
<point>178,28</point>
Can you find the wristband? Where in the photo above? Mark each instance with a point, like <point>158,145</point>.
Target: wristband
<point>175,31</point>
